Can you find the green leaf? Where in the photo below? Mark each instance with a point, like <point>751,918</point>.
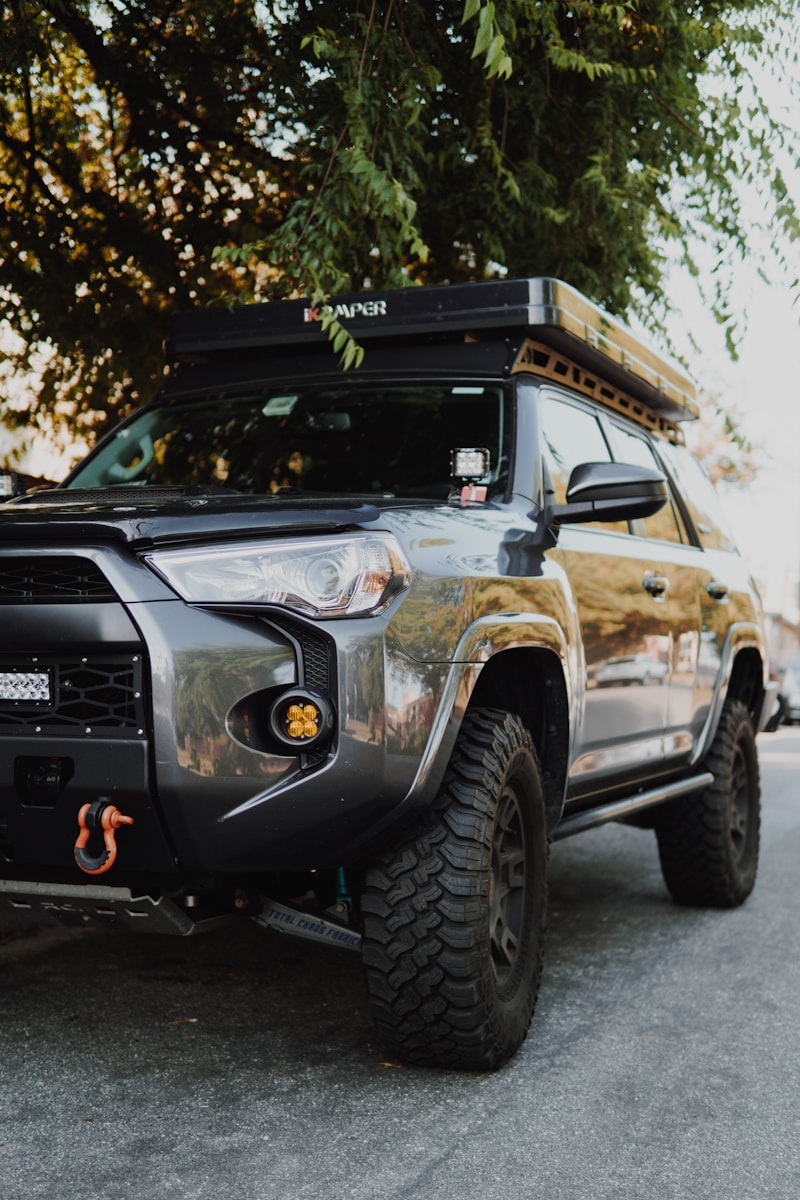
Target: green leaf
<point>324,149</point>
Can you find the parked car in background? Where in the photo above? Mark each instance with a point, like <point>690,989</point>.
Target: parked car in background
<point>790,691</point>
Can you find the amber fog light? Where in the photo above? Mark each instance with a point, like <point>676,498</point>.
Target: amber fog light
<point>301,719</point>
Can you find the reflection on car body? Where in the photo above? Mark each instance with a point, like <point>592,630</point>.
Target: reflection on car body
<point>631,669</point>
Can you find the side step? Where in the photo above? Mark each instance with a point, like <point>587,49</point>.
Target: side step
<point>631,804</point>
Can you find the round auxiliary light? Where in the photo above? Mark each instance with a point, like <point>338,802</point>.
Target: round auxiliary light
<point>301,719</point>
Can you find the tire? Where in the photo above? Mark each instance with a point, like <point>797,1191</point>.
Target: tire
<point>708,843</point>
<point>454,911</point>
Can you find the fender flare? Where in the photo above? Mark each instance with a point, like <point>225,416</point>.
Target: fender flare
<point>743,635</point>
<point>483,640</point>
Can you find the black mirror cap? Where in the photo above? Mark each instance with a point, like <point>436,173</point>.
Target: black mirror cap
<point>611,491</point>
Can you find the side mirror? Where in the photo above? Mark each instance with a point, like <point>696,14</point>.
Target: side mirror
<point>610,491</point>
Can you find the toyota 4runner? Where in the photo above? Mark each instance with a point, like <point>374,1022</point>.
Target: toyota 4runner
<point>343,651</point>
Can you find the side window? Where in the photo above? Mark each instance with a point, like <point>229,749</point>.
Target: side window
<point>629,447</point>
<point>571,436</point>
<point>702,501</point>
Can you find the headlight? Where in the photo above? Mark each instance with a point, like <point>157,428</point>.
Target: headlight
<point>323,577</point>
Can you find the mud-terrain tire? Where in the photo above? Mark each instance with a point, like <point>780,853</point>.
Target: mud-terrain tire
<point>454,911</point>
<point>708,843</point>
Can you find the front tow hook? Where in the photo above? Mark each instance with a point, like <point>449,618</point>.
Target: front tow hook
<point>103,816</point>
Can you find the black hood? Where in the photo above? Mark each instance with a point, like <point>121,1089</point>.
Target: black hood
<point>153,516</point>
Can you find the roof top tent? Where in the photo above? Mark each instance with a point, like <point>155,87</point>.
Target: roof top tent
<point>517,312</point>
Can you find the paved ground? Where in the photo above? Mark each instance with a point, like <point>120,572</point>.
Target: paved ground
<point>664,1060</point>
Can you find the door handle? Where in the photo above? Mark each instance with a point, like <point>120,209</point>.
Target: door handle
<point>717,590</point>
<point>656,585</point>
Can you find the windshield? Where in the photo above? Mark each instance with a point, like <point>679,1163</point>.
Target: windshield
<point>389,439</point>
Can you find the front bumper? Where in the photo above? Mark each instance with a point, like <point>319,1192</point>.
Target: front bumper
<point>162,708</point>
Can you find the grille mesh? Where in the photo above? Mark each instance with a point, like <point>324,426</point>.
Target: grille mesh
<point>52,580</point>
<point>117,495</point>
<point>316,661</point>
<point>93,695</point>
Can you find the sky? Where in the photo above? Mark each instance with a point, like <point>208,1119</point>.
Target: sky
<point>763,389</point>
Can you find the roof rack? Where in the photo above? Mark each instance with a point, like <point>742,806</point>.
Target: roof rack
<point>546,310</point>
<point>543,360</point>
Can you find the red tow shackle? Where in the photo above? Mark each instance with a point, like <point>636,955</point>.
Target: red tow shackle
<point>103,816</point>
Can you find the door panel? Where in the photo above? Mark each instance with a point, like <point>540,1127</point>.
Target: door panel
<point>627,646</point>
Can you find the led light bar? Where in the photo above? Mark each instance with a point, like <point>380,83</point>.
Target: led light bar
<point>469,464</point>
<point>25,687</point>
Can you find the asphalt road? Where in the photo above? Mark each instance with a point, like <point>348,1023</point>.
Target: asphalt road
<point>664,1059</point>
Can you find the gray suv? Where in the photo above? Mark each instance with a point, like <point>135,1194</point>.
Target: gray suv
<point>344,651</point>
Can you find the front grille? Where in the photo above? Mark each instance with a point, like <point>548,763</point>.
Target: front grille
<point>54,580</point>
<point>93,695</point>
<point>316,660</point>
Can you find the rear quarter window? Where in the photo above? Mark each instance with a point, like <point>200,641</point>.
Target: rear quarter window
<point>701,500</point>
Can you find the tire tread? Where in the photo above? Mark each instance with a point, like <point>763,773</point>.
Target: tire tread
<point>424,904</point>
<point>697,858</point>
